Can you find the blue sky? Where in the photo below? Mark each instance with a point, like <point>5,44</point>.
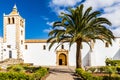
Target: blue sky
<point>40,14</point>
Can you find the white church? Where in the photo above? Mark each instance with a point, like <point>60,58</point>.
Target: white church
<point>13,47</point>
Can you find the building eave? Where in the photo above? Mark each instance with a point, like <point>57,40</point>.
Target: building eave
<point>36,41</point>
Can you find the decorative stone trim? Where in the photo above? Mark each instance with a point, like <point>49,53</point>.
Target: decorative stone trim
<point>62,51</point>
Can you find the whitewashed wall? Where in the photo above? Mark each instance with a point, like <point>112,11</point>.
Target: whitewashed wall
<point>11,34</point>
<point>35,54</point>
<point>100,52</point>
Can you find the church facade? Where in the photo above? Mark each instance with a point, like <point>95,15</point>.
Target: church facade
<point>13,45</point>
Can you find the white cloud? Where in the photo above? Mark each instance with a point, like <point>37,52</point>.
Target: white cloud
<point>60,28</point>
<point>64,3</point>
<point>47,30</point>
<point>50,23</point>
<point>97,4</point>
<point>116,32</point>
<point>110,8</point>
<point>59,6</point>
<point>114,17</point>
<point>59,11</point>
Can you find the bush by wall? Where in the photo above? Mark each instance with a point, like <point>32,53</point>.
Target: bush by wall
<point>18,72</point>
<point>16,68</point>
<point>88,76</point>
<point>15,76</point>
<point>112,62</point>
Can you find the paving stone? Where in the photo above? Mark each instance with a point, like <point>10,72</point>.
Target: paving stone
<point>61,73</point>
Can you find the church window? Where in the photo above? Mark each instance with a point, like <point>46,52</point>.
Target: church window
<point>26,47</point>
<point>8,20</point>
<point>44,47</point>
<point>21,32</point>
<point>62,46</point>
<point>21,23</point>
<point>106,44</point>
<point>13,20</point>
<point>8,46</point>
<point>10,54</point>
<point>21,41</point>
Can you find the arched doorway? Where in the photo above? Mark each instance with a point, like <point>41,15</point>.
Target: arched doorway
<point>62,59</point>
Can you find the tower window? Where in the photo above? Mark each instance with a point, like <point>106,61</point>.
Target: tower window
<point>13,21</point>
<point>21,23</point>
<point>8,46</point>
<point>26,47</point>
<point>21,41</point>
<point>21,32</point>
<point>10,54</point>
<point>8,20</point>
<point>4,49</point>
<point>44,47</point>
<point>62,46</point>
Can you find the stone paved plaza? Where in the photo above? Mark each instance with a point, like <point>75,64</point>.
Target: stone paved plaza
<point>62,73</point>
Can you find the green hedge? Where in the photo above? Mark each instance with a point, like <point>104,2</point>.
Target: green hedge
<point>16,68</point>
<point>18,72</point>
<point>88,76</point>
<point>103,69</point>
<point>40,73</point>
<point>112,62</point>
<point>15,76</point>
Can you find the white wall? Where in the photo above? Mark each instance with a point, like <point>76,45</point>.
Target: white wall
<point>11,34</point>
<point>35,53</point>
<point>100,52</point>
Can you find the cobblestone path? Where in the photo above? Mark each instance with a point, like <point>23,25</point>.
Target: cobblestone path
<point>62,73</point>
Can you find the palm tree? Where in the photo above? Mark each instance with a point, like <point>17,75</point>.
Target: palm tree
<point>79,26</point>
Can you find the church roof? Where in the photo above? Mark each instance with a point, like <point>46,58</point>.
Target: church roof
<point>36,41</point>
<point>14,11</point>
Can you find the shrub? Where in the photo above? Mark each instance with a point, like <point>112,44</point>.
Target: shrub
<point>15,76</point>
<point>110,69</point>
<point>16,68</point>
<point>40,73</point>
<point>92,69</point>
<point>17,72</point>
<point>111,78</point>
<point>118,69</point>
<point>31,69</point>
<point>87,76</point>
<point>112,62</point>
<point>84,75</point>
<point>107,61</point>
<point>102,69</point>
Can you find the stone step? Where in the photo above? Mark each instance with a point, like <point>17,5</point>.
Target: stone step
<point>10,61</point>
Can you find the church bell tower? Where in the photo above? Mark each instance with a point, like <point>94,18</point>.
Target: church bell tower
<point>14,34</point>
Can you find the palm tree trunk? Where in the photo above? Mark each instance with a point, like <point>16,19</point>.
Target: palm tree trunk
<point>78,54</point>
